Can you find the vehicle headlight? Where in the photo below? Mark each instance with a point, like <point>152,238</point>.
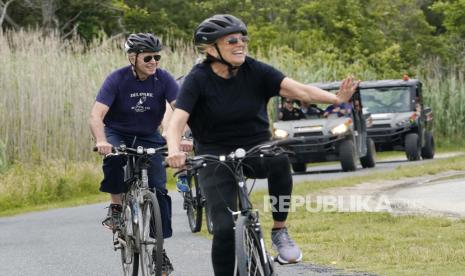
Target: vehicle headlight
<point>403,122</point>
<point>340,129</point>
<point>280,133</point>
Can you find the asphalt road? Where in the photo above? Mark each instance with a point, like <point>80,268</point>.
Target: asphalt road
<point>70,241</point>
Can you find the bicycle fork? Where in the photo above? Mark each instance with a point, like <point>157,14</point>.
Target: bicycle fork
<point>139,203</point>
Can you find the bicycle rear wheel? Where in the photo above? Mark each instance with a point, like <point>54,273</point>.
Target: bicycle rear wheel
<point>128,238</point>
<point>151,245</point>
<point>251,256</point>
<point>193,200</point>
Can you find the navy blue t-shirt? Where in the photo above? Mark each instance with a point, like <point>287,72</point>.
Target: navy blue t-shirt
<point>229,112</point>
<point>136,107</point>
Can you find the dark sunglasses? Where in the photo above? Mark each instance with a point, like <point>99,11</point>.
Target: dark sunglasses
<point>234,40</point>
<point>149,58</point>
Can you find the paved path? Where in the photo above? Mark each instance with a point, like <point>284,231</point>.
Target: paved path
<point>444,197</point>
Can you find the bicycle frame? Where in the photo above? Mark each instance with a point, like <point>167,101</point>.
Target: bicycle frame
<point>136,179</point>
<point>140,213</point>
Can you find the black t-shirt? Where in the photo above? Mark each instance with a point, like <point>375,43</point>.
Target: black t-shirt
<point>229,112</point>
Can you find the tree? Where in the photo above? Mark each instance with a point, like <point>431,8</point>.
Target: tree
<point>3,10</point>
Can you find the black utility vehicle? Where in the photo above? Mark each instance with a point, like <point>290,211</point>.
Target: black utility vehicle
<point>335,137</point>
<point>400,120</point>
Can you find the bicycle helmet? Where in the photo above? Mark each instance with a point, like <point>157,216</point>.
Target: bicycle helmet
<point>217,26</point>
<point>142,42</point>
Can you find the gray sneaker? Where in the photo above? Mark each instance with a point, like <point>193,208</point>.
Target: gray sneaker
<point>288,251</point>
<point>113,220</point>
<point>166,266</point>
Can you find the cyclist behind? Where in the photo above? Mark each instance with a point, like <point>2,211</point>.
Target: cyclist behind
<point>340,110</point>
<point>129,108</point>
<point>224,100</point>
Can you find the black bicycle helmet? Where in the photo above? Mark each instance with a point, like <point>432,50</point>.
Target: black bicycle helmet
<point>217,26</point>
<point>142,42</point>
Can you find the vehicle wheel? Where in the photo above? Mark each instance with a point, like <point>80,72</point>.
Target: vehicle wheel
<point>427,152</point>
<point>194,205</point>
<point>347,155</point>
<point>151,246</point>
<point>299,167</point>
<point>249,258</point>
<point>129,256</point>
<point>208,219</point>
<point>412,149</point>
<point>369,160</point>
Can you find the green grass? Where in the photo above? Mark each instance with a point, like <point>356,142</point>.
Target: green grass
<point>53,184</point>
<point>381,243</point>
<point>377,242</point>
<point>70,202</point>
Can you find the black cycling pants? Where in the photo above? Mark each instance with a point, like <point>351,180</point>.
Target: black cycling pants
<point>221,190</point>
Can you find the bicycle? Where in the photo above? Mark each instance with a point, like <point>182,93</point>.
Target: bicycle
<point>140,236</point>
<point>251,255</point>
<point>194,203</point>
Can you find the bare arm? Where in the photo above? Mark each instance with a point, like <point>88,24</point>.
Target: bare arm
<point>166,118</point>
<point>176,158</point>
<point>97,114</point>
<point>307,93</point>
<point>186,144</point>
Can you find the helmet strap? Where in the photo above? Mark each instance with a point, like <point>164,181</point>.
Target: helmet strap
<point>223,61</point>
<point>134,66</point>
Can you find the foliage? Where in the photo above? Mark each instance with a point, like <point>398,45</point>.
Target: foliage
<point>390,36</point>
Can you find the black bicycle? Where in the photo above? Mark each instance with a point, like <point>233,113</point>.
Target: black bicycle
<point>194,203</point>
<point>251,255</point>
<point>140,238</point>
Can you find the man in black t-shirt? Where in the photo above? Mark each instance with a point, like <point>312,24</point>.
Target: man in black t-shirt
<point>224,100</point>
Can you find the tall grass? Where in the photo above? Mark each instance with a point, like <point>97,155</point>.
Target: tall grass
<point>445,93</point>
<point>48,87</point>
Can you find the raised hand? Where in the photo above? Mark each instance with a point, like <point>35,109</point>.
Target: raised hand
<point>347,89</point>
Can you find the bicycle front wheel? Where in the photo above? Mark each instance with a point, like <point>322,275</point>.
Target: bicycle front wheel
<point>128,238</point>
<point>151,246</point>
<point>251,256</point>
<point>193,200</point>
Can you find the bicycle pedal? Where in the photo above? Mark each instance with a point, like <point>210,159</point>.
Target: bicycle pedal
<point>117,245</point>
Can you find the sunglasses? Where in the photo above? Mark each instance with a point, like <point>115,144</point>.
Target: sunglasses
<point>234,40</point>
<point>149,58</point>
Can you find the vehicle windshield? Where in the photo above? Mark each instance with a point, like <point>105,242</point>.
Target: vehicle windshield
<point>386,100</point>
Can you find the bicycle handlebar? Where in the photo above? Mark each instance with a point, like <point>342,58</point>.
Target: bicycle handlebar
<point>139,151</point>
<point>268,149</point>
